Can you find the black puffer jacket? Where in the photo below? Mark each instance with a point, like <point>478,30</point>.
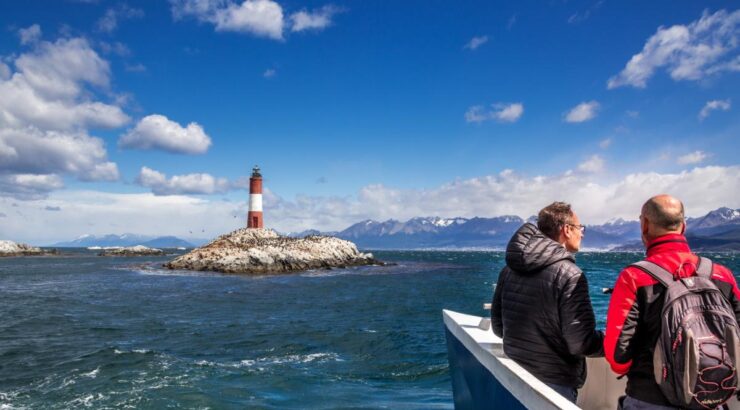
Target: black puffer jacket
<point>542,310</point>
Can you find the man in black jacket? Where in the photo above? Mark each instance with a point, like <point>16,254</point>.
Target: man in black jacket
<point>541,307</point>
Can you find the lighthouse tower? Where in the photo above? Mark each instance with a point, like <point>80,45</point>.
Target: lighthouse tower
<point>254,216</point>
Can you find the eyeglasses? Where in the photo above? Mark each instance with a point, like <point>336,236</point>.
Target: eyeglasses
<point>582,228</point>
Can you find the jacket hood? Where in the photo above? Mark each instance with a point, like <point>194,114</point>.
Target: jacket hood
<point>530,250</point>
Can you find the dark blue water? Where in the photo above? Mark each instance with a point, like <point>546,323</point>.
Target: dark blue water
<point>88,331</point>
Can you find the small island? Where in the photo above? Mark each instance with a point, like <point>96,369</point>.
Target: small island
<point>10,248</point>
<point>138,250</point>
<point>263,251</point>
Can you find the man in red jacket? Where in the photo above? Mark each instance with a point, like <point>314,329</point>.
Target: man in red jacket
<point>634,316</point>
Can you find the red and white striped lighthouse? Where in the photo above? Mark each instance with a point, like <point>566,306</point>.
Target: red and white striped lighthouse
<point>254,216</point>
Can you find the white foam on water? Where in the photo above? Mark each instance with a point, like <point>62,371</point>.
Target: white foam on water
<point>93,374</point>
<point>261,363</point>
<point>88,400</point>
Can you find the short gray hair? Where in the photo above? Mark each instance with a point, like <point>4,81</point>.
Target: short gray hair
<point>553,217</point>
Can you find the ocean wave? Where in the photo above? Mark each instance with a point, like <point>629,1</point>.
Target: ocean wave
<point>275,360</point>
<point>134,351</point>
<point>93,374</point>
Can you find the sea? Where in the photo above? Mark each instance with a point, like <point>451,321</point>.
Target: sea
<point>82,331</point>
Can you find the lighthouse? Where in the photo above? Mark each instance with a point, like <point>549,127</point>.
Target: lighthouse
<point>254,216</point>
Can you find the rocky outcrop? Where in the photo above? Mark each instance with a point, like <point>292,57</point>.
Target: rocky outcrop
<point>138,250</point>
<point>261,251</point>
<point>10,248</point>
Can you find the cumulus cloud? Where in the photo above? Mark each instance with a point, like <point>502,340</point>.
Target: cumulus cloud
<point>190,184</point>
<point>315,20</point>
<point>722,105</point>
<point>605,143</point>
<point>476,42</point>
<point>501,112</point>
<point>688,52</point>
<point>30,34</point>
<point>29,186</point>
<point>594,164</point>
<point>33,151</point>
<point>692,158</point>
<point>109,22</point>
<point>582,112</point>
<point>262,18</point>
<point>46,110</point>
<point>158,132</point>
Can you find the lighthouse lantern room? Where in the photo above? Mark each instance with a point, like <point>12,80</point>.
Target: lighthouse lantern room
<point>254,216</point>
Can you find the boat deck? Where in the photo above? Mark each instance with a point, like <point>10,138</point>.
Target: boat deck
<point>484,377</point>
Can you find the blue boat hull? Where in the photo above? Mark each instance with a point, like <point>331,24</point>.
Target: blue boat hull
<point>473,385</point>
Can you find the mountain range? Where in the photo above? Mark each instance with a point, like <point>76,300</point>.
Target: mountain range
<point>126,239</point>
<point>717,230</point>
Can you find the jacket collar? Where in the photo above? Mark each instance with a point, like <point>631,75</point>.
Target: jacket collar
<point>673,242</point>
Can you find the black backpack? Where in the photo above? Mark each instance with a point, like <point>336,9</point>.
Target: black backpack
<point>697,351</point>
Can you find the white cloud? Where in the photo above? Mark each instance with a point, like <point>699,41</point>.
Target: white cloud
<point>109,22</point>
<point>29,186</point>
<point>633,114</point>
<point>4,71</point>
<point>592,165</point>
<point>269,73</point>
<point>259,17</point>
<point>190,184</point>
<point>158,132</point>
<point>508,193</point>
<point>501,112</point>
<point>33,151</point>
<point>30,34</point>
<point>61,69</point>
<point>116,48</point>
<point>692,158</point>
<point>46,109</point>
<point>722,105</point>
<point>476,42</point>
<point>605,143</point>
<point>582,112</point>
<point>316,20</point>
<point>704,47</point>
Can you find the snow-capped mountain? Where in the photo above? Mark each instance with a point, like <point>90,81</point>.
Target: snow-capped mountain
<point>721,217</point>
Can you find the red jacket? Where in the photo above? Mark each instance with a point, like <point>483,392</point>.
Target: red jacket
<point>633,319</point>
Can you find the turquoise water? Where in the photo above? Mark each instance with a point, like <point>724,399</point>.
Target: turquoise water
<point>82,330</point>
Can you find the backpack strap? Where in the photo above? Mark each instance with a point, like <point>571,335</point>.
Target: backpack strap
<point>656,271</point>
<point>704,267</point>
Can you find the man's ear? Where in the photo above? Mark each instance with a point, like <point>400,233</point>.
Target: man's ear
<point>644,226</point>
<point>683,227</point>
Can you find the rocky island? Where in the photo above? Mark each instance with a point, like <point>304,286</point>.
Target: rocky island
<point>261,251</point>
<point>10,248</point>
<point>138,250</point>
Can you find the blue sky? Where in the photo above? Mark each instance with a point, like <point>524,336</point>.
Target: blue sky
<point>146,116</point>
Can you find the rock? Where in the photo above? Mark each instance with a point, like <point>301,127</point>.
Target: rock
<point>10,248</point>
<point>138,250</point>
<point>261,251</point>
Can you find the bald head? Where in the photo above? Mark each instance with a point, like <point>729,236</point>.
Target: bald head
<point>664,215</point>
